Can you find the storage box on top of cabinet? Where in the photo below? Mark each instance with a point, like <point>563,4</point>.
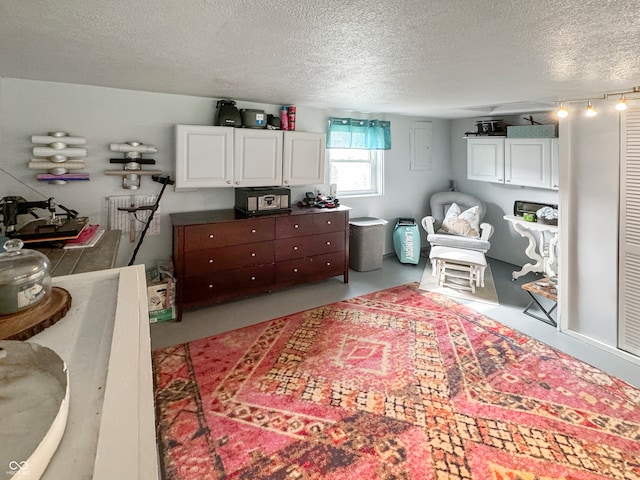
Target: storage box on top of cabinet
<point>533,131</point>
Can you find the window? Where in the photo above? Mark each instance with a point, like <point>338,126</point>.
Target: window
<point>356,172</point>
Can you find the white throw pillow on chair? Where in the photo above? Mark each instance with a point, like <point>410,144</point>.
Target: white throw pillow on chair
<point>466,224</point>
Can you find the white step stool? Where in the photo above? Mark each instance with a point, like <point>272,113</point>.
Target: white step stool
<point>458,268</point>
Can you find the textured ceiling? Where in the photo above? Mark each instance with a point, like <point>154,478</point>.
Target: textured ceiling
<point>440,58</point>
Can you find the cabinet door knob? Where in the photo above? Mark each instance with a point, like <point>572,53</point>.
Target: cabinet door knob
<point>296,226</point>
<point>508,181</point>
<point>328,222</point>
<point>253,230</point>
<point>499,179</point>
<point>228,182</point>
<point>295,270</point>
<point>328,264</point>
<point>211,285</point>
<point>556,186</point>
<point>253,278</point>
<point>211,235</point>
<point>211,260</point>
<point>295,247</point>
<point>328,243</point>
<point>253,254</point>
<point>237,183</point>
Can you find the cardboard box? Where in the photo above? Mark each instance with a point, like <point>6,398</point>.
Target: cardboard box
<point>161,294</point>
<point>532,131</point>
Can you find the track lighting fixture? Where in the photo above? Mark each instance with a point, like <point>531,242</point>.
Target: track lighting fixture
<point>562,112</point>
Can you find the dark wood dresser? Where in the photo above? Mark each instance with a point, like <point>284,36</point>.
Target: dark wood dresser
<point>221,255</point>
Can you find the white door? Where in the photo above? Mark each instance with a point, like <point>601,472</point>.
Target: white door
<point>527,162</point>
<point>303,158</point>
<point>485,159</point>
<point>629,235</point>
<point>257,158</point>
<point>204,156</point>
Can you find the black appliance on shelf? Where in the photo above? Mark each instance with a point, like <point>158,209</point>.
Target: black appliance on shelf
<point>262,200</point>
<point>227,114</point>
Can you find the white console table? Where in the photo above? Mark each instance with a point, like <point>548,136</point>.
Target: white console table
<point>104,340</point>
<point>542,250</point>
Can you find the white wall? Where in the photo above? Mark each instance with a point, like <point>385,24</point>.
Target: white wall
<point>105,115</point>
<point>506,244</point>
<point>593,156</point>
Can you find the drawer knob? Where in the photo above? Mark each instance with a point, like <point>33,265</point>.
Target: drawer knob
<point>211,260</point>
<point>211,285</point>
<point>211,235</point>
<point>295,270</point>
<point>295,247</point>
<point>253,230</point>
<point>253,278</point>
<point>328,264</point>
<point>253,254</point>
<point>328,222</point>
<point>296,226</point>
<point>328,243</point>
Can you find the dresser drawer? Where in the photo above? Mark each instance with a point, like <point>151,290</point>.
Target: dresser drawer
<point>220,284</point>
<point>301,270</point>
<point>297,247</point>
<point>199,262</point>
<point>330,222</point>
<point>201,237</point>
<point>294,226</point>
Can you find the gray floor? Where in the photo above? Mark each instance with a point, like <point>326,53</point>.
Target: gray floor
<point>210,321</point>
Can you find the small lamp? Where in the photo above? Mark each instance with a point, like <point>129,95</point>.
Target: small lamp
<point>591,112</point>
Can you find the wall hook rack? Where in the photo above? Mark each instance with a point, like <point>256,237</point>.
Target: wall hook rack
<point>58,152</point>
<point>132,161</point>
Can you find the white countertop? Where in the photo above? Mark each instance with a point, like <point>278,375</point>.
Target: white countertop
<point>104,340</point>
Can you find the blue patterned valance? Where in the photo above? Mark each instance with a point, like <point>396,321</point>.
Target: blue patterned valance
<point>357,133</point>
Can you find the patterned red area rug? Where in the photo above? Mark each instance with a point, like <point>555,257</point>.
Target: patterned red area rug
<point>397,384</point>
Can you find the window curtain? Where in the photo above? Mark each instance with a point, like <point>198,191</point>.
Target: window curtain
<point>357,133</point>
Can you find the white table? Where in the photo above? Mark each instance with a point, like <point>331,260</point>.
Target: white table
<point>541,250</point>
<point>104,340</point>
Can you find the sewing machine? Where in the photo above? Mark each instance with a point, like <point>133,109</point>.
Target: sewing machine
<point>57,226</point>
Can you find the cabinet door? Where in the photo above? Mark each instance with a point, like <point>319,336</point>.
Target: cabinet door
<point>204,156</point>
<point>527,162</point>
<point>485,159</point>
<point>555,166</point>
<point>257,158</point>
<point>304,158</point>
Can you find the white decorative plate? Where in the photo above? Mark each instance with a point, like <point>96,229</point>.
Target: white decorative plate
<point>34,403</point>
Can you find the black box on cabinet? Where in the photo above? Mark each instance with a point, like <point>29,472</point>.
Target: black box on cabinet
<point>263,200</point>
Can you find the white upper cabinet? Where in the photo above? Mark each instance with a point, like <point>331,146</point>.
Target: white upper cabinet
<point>303,158</point>
<point>257,157</point>
<point>211,157</point>
<point>555,165</point>
<point>204,156</point>
<point>485,159</point>
<point>527,162</point>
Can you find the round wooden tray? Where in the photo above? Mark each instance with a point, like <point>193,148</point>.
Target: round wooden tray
<point>24,325</point>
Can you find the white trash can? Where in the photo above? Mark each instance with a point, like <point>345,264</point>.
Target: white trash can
<point>366,243</point>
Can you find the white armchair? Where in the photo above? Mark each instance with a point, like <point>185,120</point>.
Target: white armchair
<point>440,203</point>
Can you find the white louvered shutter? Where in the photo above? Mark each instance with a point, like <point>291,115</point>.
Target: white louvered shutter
<point>629,248</point>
